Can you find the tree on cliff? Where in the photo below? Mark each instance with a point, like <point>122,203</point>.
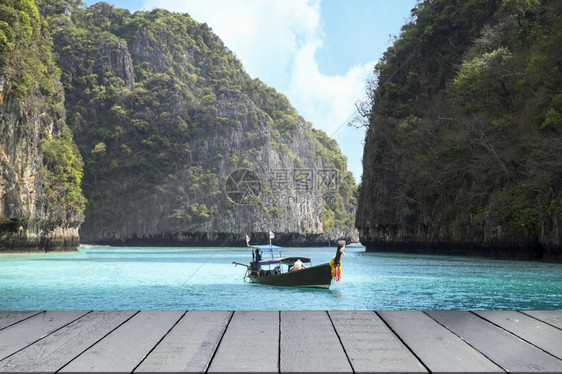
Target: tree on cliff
<point>163,112</point>
<point>41,169</point>
<point>464,142</point>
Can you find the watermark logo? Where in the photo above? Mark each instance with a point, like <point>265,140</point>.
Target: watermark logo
<point>284,186</point>
<point>243,186</point>
<point>303,179</point>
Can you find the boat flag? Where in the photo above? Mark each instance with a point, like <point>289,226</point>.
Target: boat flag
<point>247,240</point>
<point>271,235</point>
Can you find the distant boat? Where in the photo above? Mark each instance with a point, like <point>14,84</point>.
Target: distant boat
<point>289,271</point>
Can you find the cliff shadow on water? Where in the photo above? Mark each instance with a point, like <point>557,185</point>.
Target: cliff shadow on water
<point>534,252</point>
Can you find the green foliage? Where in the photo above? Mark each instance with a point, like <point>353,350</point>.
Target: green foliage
<point>339,195</point>
<point>143,96</point>
<point>63,171</point>
<point>464,135</point>
<point>29,71</point>
<point>25,52</point>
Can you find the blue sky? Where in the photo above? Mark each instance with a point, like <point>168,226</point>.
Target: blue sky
<point>319,53</point>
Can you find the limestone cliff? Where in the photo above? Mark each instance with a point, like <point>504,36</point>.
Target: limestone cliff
<point>40,199</point>
<point>463,153</point>
<point>182,147</point>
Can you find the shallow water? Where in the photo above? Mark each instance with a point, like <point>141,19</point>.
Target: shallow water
<point>101,278</point>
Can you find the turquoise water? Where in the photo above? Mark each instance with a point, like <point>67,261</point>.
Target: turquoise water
<point>102,278</point>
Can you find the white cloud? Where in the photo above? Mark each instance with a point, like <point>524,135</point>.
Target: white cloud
<point>329,100</point>
<point>264,34</point>
<point>277,40</point>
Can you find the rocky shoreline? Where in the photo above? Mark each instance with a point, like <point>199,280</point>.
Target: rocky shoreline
<point>32,235</point>
<point>199,239</point>
<point>517,252</point>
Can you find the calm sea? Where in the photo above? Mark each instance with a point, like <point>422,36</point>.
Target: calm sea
<point>101,278</point>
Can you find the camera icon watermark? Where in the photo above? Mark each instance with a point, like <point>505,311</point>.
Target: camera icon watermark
<point>283,186</point>
<point>243,186</point>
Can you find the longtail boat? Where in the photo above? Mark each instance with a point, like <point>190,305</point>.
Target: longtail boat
<point>276,270</point>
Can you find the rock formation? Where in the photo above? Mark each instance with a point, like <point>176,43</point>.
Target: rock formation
<point>464,146</point>
<point>182,147</point>
<point>40,169</point>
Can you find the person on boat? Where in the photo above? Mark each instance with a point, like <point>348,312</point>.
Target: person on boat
<point>258,259</point>
<point>298,265</point>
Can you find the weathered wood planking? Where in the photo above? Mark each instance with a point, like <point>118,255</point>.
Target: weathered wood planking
<point>371,346</point>
<point>552,317</point>
<point>538,333</point>
<point>250,344</point>
<point>55,350</point>
<point>273,341</point>
<point>438,348</point>
<point>310,343</point>
<point>191,344</point>
<point>127,346</point>
<point>8,318</point>
<point>27,332</point>
<point>499,345</point>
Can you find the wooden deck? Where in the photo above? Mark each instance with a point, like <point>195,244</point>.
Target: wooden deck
<point>280,341</point>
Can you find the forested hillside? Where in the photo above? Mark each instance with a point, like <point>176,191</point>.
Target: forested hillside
<point>163,113</point>
<point>41,201</point>
<point>464,145</point>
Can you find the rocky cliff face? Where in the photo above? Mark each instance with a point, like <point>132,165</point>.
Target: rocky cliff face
<point>34,213</point>
<point>182,147</point>
<point>235,182</point>
<point>464,147</point>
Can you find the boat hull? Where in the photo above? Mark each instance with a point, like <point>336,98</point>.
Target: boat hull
<point>319,276</point>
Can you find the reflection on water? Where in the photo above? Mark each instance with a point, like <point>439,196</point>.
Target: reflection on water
<point>205,278</point>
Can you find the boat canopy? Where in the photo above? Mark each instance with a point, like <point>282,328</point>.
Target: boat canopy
<point>267,248</point>
<point>284,260</point>
<point>269,261</point>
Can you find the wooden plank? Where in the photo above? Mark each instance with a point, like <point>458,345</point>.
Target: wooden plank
<point>250,343</point>
<point>538,333</point>
<point>191,344</point>
<point>310,343</point>
<point>8,318</point>
<point>56,350</point>
<point>128,345</point>
<point>505,349</point>
<point>552,317</point>
<point>439,349</point>
<point>371,346</point>
<point>20,335</point>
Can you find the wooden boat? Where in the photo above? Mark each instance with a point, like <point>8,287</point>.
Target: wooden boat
<point>277,270</point>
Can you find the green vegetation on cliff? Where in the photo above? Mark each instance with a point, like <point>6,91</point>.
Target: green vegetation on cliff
<point>161,110</point>
<point>464,144</point>
<point>31,93</point>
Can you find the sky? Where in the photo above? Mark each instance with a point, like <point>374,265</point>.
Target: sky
<point>318,53</point>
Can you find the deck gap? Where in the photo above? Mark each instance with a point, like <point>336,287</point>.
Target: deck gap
<point>279,345</point>
<point>341,343</point>
<point>466,342</point>
<point>403,342</point>
<point>97,341</point>
<point>160,340</point>
<point>219,343</point>
<point>538,319</point>
<point>517,336</point>
<point>25,319</point>
<point>44,336</point>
